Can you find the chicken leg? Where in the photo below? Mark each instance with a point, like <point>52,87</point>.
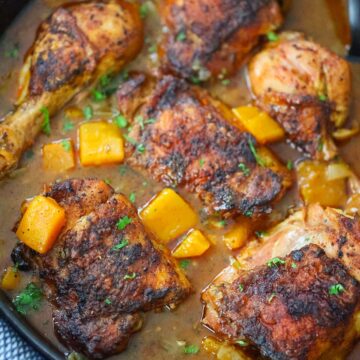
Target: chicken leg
<point>74,47</point>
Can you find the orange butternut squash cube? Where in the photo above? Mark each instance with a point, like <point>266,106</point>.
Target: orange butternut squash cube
<point>58,156</point>
<point>100,143</point>
<point>237,236</point>
<point>315,187</point>
<point>258,123</point>
<point>168,215</point>
<point>11,278</point>
<point>41,224</point>
<point>194,244</point>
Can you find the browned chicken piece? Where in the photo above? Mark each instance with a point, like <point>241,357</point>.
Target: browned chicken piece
<point>74,47</point>
<point>100,276</point>
<point>296,294</point>
<point>213,37</point>
<point>303,86</point>
<point>180,135</point>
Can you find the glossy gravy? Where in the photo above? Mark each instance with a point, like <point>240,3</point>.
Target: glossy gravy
<point>161,332</point>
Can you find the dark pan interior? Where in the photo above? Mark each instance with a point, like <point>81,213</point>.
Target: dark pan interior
<point>9,9</point>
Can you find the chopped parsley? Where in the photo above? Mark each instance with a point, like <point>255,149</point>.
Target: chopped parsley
<point>336,289</point>
<point>88,112</point>
<point>120,245</point>
<point>45,126</point>
<point>98,95</point>
<point>130,140</point>
<point>290,165</point>
<point>272,36</point>
<point>181,36</point>
<point>121,121</point>
<point>293,265</point>
<point>68,125</point>
<point>132,197</point>
<point>29,299</point>
<point>260,234</point>
<point>222,223</point>
<point>320,146</point>
<point>150,121</point>
<point>123,222</point>
<point>225,82</point>
<point>122,170</point>
<point>257,157</point>
<point>201,162</point>
<point>66,144</point>
<point>105,80</point>
<point>274,262</point>
<point>140,120</point>
<point>152,48</point>
<point>191,349</point>
<point>131,276</point>
<point>245,170</point>
<point>107,301</point>
<point>242,342</point>
<point>184,264</point>
<point>107,181</point>
<point>322,97</point>
<point>13,53</point>
<point>241,287</point>
<point>195,80</point>
<point>248,213</point>
<point>140,148</point>
<point>144,10</point>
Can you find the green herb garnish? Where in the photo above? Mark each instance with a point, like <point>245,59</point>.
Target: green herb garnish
<point>336,289</point>
<point>144,10</point>
<point>107,301</point>
<point>244,169</point>
<point>320,146</point>
<point>140,120</point>
<point>272,36</point>
<point>107,181</point>
<point>123,222</point>
<point>140,148</point>
<point>181,36</point>
<point>131,276</point>
<point>257,157</point>
<point>68,125</point>
<point>322,97</point>
<point>29,299</point>
<point>242,342</point>
<point>152,48</point>
<point>88,112</point>
<point>66,144</point>
<point>260,234</point>
<point>121,121</point>
<point>191,349</point>
<point>274,262</point>
<point>45,126</point>
<point>120,245</point>
<point>132,197</point>
<point>225,82</point>
<point>98,95</point>
<point>184,264</point>
<point>13,53</point>
<point>248,213</point>
<point>241,287</point>
<point>290,165</point>
<point>201,162</point>
<point>293,265</point>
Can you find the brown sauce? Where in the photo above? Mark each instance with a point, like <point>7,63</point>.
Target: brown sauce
<point>161,332</point>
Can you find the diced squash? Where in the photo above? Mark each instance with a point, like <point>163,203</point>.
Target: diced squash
<point>194,244</point>
<point>168,216</point>
<point>237,236</point>
<point>258,123</point>
<point>223,351</point>
<point>41,224</point>
<point>316,188</point>
<point>11,278</point>
<point>211,345</point>
<point>59,156</point>
<point>100,143</point>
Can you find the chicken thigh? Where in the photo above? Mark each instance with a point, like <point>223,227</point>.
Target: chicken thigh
<point>213,37</point>
<point>304,87</point>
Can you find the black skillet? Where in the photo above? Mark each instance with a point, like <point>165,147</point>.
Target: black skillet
<point>9,9</point>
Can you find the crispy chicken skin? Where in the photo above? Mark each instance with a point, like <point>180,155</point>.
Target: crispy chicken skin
<point>303,86</point>
<point>286,310</point>
<point>213,37</point>
<point>99,292</point>
<point>180,136</point>
<point>74,47</point>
